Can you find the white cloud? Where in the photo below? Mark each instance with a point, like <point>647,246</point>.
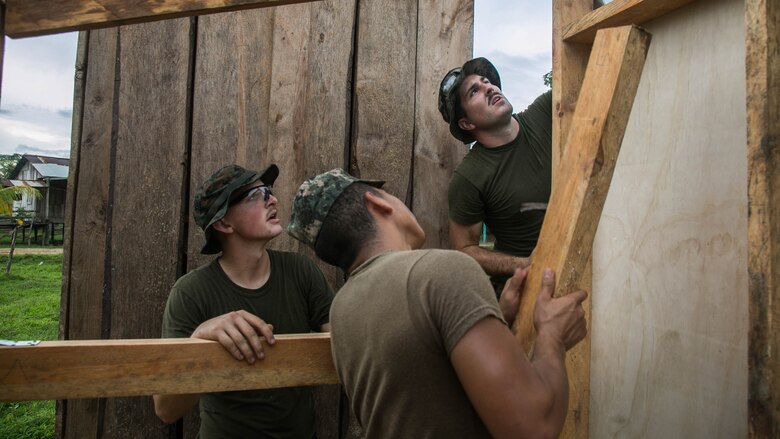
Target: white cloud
<point>39,71</point>
<point>37,130</point>
<point>516,36</point>
<point>37,89</point>
<point>37,94</point>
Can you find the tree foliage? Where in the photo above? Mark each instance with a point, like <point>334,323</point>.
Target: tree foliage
<point>8,163</point>
<point>547,77</point>
<point>14,193</point>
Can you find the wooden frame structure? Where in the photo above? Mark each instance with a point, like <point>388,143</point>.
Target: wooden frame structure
<point>574,26</point>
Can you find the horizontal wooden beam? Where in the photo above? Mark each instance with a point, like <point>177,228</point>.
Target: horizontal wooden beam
<point>583,177</point>
<point>26,18</point>
<point>109,368</point>
<point>618,13</point>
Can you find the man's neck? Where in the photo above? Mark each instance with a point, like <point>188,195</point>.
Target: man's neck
<point>389,239</point>
<point>248,267</point>
<point>500,135</point>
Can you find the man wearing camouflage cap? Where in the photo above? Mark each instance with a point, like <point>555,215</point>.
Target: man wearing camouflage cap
<point>504,180</point>
<point>248,292</point>
<point>419,341</point>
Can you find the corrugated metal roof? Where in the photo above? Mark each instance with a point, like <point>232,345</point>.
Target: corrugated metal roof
<point>42,159</point>
<point>31,183</point>
<point>49,170</point>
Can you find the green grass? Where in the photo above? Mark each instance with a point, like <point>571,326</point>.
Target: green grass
<point>29,310</point>
<point>5,240</point>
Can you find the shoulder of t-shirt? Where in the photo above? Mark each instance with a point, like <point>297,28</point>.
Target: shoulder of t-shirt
<point>454,261</point>
<point>195,276</point>
<point>541,106</point>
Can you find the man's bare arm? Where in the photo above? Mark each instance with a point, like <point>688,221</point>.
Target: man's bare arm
<point>169,408</point>
<point>466,239</point>
<point>513,396</point>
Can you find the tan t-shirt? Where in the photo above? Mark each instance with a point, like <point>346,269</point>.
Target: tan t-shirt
<point>394,325</point>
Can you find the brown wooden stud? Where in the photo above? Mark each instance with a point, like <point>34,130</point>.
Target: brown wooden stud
<point>762,29</point>
<point>43,17</point>
<point>618,13</point>
<point>110,368</point>
<point>582,182</point>
<point>569,62</point>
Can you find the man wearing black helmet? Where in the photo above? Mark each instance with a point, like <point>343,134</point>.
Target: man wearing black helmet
<point>504,180</point>
<point>247,293</point>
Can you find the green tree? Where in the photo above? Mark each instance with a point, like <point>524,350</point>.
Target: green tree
<point>547,77</point>
<point>8,163</point>
<point>10,194</point>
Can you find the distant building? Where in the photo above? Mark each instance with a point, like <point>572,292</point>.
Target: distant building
<point>50,176</point>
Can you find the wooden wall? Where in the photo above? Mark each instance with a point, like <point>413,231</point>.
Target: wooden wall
<point>159,106</point>
<point>670,302</point>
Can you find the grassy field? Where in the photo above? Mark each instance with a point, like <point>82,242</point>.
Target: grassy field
<point>30,307</point>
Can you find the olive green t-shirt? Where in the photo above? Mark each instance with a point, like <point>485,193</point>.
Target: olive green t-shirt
<point>295,299</point>
<point>508,187</point>
<point>394,325</point>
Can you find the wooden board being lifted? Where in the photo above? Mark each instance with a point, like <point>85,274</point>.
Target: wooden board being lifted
<point>600,118</point>
<point>110,368</point>
<point>27,18</point>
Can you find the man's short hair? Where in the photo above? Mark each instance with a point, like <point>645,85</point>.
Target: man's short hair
<point>318,201</point>
<point>347,228</point>
<point>449,99</point>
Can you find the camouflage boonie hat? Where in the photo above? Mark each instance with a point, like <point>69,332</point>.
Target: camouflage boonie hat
<point>313,201</point>
<point>449,100</point>
<point>213,196</point>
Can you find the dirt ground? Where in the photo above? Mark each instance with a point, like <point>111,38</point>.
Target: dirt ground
<point>33,251</point>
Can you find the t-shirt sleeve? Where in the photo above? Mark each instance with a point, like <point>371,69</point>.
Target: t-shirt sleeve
<point>465,202</point>
<point>181,315</point>
<point>455,294</point>
<point>537,120</point>
<point>319,295</point>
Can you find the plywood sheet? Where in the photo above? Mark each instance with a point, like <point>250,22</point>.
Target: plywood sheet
<point>669,318</point>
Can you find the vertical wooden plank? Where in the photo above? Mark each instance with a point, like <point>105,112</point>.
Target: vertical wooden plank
<point>444,39</point>
<point>762,20</point>
<point>70,201</point>
<point>89,222</point>
<point>281,95</point>
<point>566,239</point>
<point>569,62</point>
<point>307,125</point>
<point>230,101</point>
<point>383,112</point>
<point>151,145</point>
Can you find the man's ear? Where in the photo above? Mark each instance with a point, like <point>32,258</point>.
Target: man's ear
<point>377,204</point>
<point>222,226</point>
<point>465,124</point>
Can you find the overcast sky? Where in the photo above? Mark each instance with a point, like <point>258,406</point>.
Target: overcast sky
<point>37,90</point>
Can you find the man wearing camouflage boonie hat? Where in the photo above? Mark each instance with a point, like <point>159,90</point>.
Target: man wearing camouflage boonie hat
<point>414,329</point>
<point>246,294</point>
<point>504,180</point>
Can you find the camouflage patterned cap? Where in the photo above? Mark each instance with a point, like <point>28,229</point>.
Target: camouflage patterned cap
<point>449,100</point>
<point>313,201</point>
<point>212,197</point>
